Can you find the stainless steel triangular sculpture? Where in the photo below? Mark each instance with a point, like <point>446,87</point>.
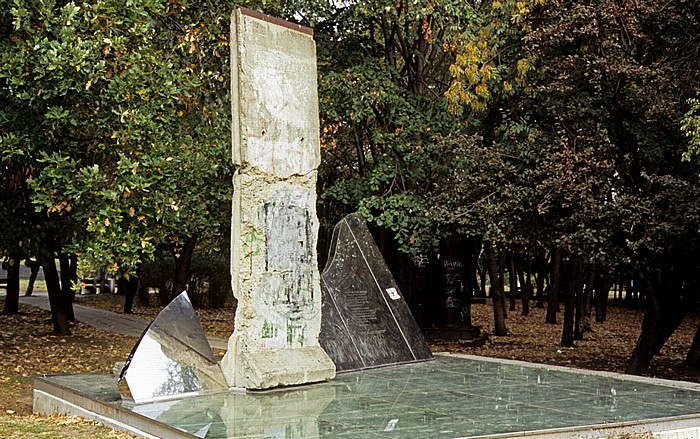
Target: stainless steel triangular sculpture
<point>366,321</point>
<point>172,358</point>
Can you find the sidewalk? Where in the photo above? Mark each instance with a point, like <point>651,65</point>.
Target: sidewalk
<point>109,321</point>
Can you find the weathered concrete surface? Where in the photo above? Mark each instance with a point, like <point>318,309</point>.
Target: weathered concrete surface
<point>274,225</point>
<point>275,88</point>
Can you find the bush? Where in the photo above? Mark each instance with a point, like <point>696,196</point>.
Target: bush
<point>158,274</point>
<point>210,281</point>
<point>209,285</point>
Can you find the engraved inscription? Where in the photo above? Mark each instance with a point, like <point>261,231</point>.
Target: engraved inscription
<point>453,280</point>
<point>358,303</point>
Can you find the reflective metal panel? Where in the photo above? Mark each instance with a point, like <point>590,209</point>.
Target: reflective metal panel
<point>172,357</point>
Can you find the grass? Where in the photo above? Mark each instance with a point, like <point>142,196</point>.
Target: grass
<point>29,348</point>
<point>34,426</point>
<point>39,286</point>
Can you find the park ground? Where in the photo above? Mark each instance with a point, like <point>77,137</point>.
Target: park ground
<point>29,348</point>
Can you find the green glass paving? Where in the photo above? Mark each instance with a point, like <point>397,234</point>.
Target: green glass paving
<point>446,398</point>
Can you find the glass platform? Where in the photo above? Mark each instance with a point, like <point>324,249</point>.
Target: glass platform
<point>452,396</point>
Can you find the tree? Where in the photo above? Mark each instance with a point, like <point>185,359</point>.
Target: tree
<point>117,118</point>
<point>595,93</point>
<point>691,127</point>
<point>633,91</point>
<point>383,70</point>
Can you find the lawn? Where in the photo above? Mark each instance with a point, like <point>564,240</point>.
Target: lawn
<point>29,348</point>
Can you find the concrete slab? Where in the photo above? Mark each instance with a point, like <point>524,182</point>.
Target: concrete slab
<point>274,226</point>
<point>453,396</point>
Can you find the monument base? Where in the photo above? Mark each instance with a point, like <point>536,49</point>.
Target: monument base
<point>264,369</point>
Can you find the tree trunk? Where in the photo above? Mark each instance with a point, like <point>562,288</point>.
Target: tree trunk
<point>665,310</point>
<point>183,261</point>
<point>553,296</point>
<point>601,298</point>
<point>693,357</point>
<point>569,290</point>
<point>580,314</point>
<point>629,297</point>
<point>482,279</point>
<point>12,290</point>
<point>588,298</point>
<point>34,267</point>
<point>540,277</point>
<point>502,281</point>
<point>121,285</point>
<point>60,306</point>
<point>496,291</point>
<point>131,287</point>
<point>513,281</point>
<point>102,284</point>
<point>526,286</point>
<point>143,297</point>
<point>68,278</point>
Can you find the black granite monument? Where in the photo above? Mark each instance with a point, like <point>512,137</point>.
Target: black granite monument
<point>366,321</point>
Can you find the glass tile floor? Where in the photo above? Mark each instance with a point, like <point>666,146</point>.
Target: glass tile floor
<point>445,398</point>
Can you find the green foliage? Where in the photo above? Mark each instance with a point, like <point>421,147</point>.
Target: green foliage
<point>207,286</point>
<point>405,215</point>
<point>383,71</point>
<point>691,127</point>
<point>116,116</point>
<point>579,124</point>
<point>564,129</point>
